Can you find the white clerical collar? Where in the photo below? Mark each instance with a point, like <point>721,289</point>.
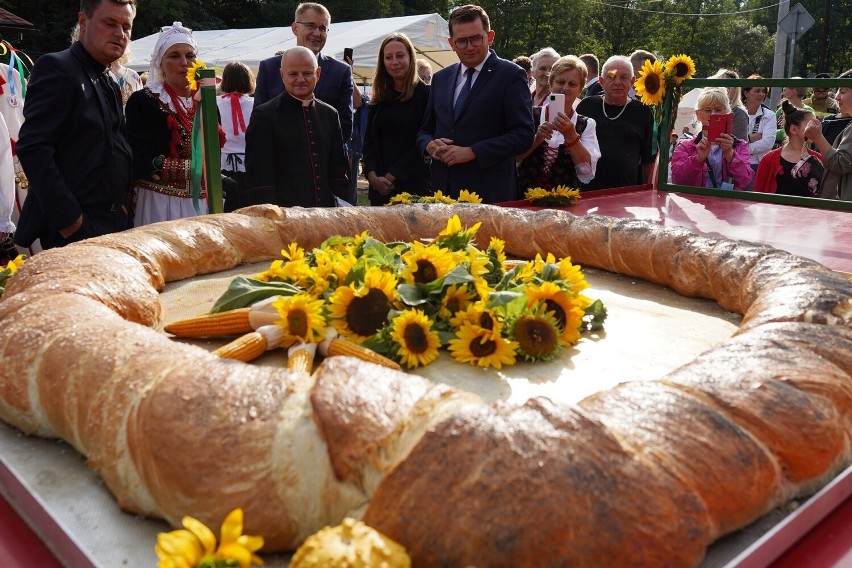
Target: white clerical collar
<point>304,102</point>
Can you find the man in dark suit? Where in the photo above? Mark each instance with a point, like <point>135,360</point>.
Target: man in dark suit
<point>479,115</point>
<point>311,28</point>
<point>73,142</point>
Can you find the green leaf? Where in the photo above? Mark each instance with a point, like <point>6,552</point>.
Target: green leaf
<point>412,295</point>
<point>244,291</point>
<point>458,275</point>
<point>595,317</point>
<point>497,299</point>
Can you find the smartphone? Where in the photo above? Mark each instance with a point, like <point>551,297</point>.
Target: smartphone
<point>720,124</point>
<point>347,54</point>
<point>555,105</point>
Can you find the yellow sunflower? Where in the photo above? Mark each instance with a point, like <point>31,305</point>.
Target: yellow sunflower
<point>466,196</point>
<point>498,247</point>
<point>424,264</point>
<point>456,298</point>
<point>482,347</point>
<point>475,314</point>
<point>301,317</point>
<point>572,274</point>
<point>359,311</point>
<point>403,198</point>
<point>538,335</point>
<point>681,67</point>
<point>651,84</point>
<point>418,342</point>
<point>192,73</point>
<point>196,544</point>
<point>565,309</point>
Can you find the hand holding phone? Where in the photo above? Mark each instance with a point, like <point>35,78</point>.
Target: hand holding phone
<point>720,124</point>
<point>555,105</point>
<point>347,55</point>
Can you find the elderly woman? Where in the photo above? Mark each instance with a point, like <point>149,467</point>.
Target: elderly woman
<point>542,61</point>
<point>565,150</point>
<point>159,125</point>
<point>836,157</point>
<point>720,163</point>
<point>392,160</point>
<point>740,129</point>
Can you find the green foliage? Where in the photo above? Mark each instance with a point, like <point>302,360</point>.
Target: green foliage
<point>737,34</point>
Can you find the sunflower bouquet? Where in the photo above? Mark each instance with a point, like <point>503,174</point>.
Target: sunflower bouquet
<point>406,198</point>
<point>558,196</point>
<point>407,301</point>
<point>660,77</point>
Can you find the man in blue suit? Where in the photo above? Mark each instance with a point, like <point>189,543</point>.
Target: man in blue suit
<point>311,28</point>
<point>479,115</point>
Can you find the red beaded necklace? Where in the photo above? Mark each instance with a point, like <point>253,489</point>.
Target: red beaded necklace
<point>184,114</point>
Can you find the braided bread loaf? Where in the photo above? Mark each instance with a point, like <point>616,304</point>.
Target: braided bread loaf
<point>647,473</point>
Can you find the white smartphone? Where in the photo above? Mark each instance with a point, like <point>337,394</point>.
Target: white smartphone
<point>555,105</point>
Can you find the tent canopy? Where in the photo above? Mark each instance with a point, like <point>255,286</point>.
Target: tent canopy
<point>428,33</point>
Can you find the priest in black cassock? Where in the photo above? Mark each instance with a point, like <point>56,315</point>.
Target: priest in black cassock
<point>294,147</point>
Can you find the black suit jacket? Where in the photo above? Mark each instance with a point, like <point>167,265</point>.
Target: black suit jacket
<point>495,121</point>
<point>65,143</point>
<point>334,87</point>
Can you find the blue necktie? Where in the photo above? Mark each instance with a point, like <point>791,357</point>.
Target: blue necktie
<point>465,91</point>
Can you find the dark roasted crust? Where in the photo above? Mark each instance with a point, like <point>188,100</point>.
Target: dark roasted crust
<point>646,473</point>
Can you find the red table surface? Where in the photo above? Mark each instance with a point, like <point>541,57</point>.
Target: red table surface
<point>818,234</point>
<point>825,236</point>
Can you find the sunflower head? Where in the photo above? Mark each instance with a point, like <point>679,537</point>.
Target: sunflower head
<point>466,196</point>
<point>192,73</point>
<point>537,333</point>
<point>417,341</point>
<point>403,198</point>
<point>302,317</point>
<point>359,311</point>
<point>681,67</point>
<point>482,347</point>
<point>425,264</point>
<point>651,84</point>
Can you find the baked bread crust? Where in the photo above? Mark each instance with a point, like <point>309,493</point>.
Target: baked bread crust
<point>646,473</point>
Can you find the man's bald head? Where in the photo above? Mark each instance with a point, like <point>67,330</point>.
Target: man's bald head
<point>299,72</point>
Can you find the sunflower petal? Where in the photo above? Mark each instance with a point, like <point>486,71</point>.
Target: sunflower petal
<point>232,527</point>
<point>201,532</point>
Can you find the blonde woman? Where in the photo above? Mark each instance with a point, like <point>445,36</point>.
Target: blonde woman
<point>740,129</point>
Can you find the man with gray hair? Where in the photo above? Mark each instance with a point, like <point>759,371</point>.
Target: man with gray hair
<point>294,147</point>
<point>311,26</point>
<point>625,128</point>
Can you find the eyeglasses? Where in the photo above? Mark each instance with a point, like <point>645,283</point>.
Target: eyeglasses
<point>463,42</point>
<point>717,110</point>
<point>314,28</point>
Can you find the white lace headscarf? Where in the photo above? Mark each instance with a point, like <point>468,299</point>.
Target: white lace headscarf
<point>169,36</point>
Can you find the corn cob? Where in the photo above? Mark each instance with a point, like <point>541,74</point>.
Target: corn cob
<point>252,345</point>
<point>345,347</point>
<point>246,348</point>
<point>300,357</point>
<point>213,325</point>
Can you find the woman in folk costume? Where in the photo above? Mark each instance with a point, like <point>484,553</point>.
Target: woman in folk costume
<point>235,106</point>
<point>159,125</point>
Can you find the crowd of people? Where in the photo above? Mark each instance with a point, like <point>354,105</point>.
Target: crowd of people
<point>118,152</point>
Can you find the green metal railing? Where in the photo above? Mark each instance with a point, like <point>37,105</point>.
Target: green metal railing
<point>665,143</point>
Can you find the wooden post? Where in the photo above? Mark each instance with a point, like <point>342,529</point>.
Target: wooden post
<point>210,141</point>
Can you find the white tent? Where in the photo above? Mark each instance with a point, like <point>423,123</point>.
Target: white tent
<point>428,33</point>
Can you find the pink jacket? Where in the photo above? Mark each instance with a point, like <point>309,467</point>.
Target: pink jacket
<point>686,170</point>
